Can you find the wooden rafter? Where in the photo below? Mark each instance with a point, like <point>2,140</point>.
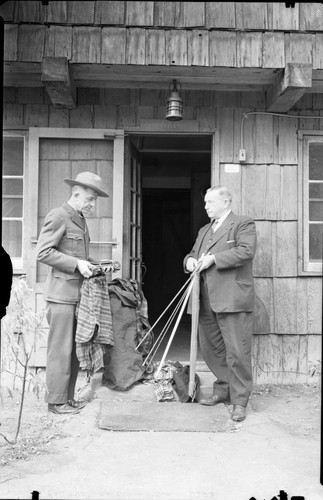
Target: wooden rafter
<point>291,84</point>
<point>59,83</point>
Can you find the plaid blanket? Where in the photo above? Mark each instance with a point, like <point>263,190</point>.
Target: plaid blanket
<point>94,332</point>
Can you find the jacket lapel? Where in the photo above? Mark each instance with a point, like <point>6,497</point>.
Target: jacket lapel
<point>74,216</point>
<point>224,228</point>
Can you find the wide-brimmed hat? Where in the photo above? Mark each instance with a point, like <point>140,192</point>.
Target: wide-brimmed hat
<point>88,180</point>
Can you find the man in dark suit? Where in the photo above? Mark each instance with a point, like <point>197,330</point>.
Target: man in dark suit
<point>63,244</point>
<point>224,250</point>
<point>6,281</point>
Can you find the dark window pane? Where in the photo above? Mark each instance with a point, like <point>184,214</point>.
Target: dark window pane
<point>12,187</point>
<point>12,237</point>
<point>316,191</point>
<point>13,155</point>
<point>316,239</point>
<point>316,161</point>
<point>11,207</point>
<point>316,210</point>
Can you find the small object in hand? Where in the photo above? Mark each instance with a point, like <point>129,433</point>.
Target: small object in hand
<point>110,265</point>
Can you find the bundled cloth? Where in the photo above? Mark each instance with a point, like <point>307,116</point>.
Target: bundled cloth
<point>123,362</point>
<point>94,333</point>
<point>174,378</point>
<point>164,382</point>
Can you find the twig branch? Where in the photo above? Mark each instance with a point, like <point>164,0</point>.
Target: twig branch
<point>8,440</point>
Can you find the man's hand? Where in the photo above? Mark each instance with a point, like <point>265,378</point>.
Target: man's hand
<point>206,261</point>
<point>191,264</point>
<point>85,268</point>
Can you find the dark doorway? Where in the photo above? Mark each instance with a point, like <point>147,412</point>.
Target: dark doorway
<point>166,239</point>
<point>175,174</point>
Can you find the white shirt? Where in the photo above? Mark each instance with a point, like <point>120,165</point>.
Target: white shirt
<point>216,224</point>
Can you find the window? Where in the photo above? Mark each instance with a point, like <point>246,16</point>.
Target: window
<point>312,203</point>
<point>12,198</point>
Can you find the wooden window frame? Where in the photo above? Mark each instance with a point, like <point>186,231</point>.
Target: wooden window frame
<point>38,133</point>
<point>19,263</point>
<point>305,267</point>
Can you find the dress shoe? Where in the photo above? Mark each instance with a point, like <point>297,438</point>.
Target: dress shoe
<point>238,413</point>
<point>214,400</point>
<point>77,403</point>
<point>62,409</point>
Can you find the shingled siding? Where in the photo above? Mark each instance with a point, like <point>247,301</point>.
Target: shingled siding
<point>255,37</point>
<point>210,15</point>
<point>260,35</point>
<point>287,335</point>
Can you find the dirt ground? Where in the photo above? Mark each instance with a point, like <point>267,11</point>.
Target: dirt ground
<point>293,410</point>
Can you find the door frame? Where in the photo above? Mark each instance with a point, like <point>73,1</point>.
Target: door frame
<point>131,132</point>
<point>215,146</point>
<point>32,184</point>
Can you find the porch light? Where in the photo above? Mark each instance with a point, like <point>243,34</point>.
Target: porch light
<point>174,109</point>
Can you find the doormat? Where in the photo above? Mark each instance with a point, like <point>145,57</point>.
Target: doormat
<point>163,417</point>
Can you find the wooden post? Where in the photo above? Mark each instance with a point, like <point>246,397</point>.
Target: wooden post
<point>194,331</point>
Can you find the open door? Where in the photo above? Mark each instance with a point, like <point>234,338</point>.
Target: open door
<point>133,256</point>
<point>55,154</point>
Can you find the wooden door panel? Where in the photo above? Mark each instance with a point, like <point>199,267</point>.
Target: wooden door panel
<point>53,191</point>
<point>56,154</point>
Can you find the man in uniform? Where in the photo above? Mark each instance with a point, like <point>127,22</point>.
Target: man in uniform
<point>63,244</point>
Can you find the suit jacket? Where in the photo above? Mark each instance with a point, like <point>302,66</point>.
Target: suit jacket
<point>6,281</point>
<point>230,282</point>
<point>63,240</point>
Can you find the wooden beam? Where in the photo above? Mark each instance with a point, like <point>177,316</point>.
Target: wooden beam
<point>28,74</point>
<point>59,83</point>
<point>291,84</point>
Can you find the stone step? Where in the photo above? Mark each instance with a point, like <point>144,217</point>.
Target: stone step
<point>206,383</point>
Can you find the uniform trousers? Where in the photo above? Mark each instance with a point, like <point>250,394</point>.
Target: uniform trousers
<point>62,363</point>
<point>225,343</point>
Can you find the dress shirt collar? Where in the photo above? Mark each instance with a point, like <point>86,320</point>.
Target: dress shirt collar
<point>80,214</point>
<point>216,223</point>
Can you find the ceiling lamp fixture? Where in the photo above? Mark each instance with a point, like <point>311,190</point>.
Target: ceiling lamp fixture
<point>174,110</point>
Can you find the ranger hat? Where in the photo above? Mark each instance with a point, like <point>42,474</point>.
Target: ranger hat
<point>88,180</point>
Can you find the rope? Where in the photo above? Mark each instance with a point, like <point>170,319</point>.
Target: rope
<point>162,314</point>
<point>183,300</point>
<point>164,331</point>
<point>188,292</point>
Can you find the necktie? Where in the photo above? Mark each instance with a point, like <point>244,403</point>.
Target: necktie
<point>215,223</point>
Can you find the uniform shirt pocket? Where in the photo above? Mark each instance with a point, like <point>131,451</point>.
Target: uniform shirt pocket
<point>65,276</point>
<point>74,242</point>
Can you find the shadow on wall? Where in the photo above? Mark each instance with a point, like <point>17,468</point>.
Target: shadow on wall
<point>261,320</point>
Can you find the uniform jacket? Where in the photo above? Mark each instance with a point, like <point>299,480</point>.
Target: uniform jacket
<point>230,282</point>
<point>61,243</point>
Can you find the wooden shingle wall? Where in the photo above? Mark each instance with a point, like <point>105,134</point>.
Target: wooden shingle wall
<point>210,15</point>
<point>265,35</point>
<point>260,35</point>
<point>115,45</point>
<point>288,322</point>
